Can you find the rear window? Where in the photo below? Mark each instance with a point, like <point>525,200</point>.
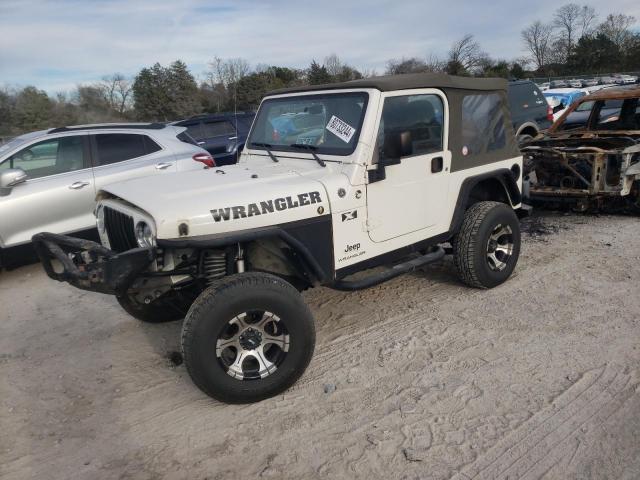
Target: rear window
<point>217,129</point>
<point>483,124</point>
<point>525,96</point>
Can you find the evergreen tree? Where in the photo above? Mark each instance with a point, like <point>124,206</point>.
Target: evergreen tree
<point>318,74</point>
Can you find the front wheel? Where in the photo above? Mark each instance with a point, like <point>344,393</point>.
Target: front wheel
<point>486,249</point>
<point>247,337</point>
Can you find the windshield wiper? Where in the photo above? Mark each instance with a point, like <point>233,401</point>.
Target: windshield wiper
<point>311,149</point>
<point>267,147</point>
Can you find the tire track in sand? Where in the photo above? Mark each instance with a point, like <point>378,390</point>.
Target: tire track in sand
<point>546,438</point>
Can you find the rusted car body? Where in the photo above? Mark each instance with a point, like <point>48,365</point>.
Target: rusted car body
<point>593,163</point>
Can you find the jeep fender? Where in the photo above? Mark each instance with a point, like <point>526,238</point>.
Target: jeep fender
<point>497,185</point>
<point>311,240</point>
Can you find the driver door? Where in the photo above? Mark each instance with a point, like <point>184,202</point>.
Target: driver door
<point>58,195</point>
<point>414,192</point>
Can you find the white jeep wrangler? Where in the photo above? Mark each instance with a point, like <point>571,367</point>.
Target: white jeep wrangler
<point>335,179</point>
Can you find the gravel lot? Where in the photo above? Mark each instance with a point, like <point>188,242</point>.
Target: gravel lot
<point>418,378</point>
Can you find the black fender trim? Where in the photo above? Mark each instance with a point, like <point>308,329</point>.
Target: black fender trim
<point>310,239</point>
<point>502,175</point>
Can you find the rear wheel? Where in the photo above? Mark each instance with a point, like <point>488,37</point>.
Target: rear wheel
<point>486,249</point>
<point>247,337</point>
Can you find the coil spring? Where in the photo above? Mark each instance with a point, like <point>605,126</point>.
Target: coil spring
<point>214,265</point>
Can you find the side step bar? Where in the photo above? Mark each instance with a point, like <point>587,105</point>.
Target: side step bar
<point>393,272</point>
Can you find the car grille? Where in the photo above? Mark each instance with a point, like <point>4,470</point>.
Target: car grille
<point>120,231</point>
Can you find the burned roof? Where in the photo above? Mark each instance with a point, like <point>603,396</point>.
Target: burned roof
<point>406,82</point>
<point>616,93</point>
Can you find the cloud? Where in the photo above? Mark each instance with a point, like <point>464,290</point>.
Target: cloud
<point>55,45</point>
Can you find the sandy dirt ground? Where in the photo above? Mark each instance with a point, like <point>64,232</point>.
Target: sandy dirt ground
<point>418,378</point>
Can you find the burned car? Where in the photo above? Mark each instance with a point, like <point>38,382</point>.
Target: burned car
<point>590,157</point>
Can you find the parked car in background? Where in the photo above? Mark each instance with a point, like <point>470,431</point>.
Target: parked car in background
<point>530,112</point>
<point>589,82</point>
<point>558,84</point>
<point>561,98</point>
<point>544,86</point>
<point>575,83</point>
<point>625,79</point>
<point>606,80</point>
<point>578,118</point>
<point>222,135</point>
<point>49,179</point>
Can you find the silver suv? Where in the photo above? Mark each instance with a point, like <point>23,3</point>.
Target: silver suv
<point>49,179</point>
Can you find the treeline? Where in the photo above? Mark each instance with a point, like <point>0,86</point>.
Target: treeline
<point>574,40</point>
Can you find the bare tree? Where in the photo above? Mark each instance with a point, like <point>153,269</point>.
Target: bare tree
<point>334,65</point>
<point>116,90</point>
<point>588,17</point>
<point>616,28</point>
<point>467,54</point>
<point>227,71</point>
<point>567,20</point>
<point>537,39</point>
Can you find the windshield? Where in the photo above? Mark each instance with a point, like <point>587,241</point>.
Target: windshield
<point>11,144</point>
<point>330,122</point>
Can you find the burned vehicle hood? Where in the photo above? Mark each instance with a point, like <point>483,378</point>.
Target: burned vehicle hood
<point>227,199</point>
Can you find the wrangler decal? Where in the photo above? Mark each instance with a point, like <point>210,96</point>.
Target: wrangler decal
<point>267,206</point>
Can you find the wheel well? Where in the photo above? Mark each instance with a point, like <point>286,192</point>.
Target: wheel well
<point>486,190</point>
<point>528,130</point>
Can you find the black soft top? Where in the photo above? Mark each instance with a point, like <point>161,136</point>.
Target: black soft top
<point>406,82</point>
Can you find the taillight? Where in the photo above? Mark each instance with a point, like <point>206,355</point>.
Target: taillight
<point>205,158</point>
<point>550,113</point>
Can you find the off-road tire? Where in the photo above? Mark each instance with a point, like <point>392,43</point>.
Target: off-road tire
<point>470,244</point>
<point>218,305</point>
<point>159,311</point>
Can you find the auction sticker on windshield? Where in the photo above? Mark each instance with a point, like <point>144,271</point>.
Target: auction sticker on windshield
<point>340,129</point>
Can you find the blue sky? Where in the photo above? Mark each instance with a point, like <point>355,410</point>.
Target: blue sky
<point>57,44</point>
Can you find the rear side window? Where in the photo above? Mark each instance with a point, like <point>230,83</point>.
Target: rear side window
<point>118,147</point>
<point>483,124</point>
<point>217,129</point>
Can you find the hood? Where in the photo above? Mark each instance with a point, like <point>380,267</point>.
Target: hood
<point>226,199</point>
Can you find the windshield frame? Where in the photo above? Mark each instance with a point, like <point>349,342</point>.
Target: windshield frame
<point>340,152</point>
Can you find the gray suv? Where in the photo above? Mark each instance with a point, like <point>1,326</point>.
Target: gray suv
<point>49,179</point>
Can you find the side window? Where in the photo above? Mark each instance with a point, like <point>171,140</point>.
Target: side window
<point>150,146</point>
<point>50,157</point>
<point>483,124</point>
<point>217,129</point>
<point>117,147</point>
<point>420,115</point>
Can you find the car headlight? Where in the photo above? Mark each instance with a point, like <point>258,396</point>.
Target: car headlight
<point>100,218</point>
<point>144,235</point>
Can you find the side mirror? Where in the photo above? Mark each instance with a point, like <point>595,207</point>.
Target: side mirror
<point>12,177</point>
<point>396,146</point>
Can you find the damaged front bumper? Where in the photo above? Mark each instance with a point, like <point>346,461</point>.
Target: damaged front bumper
<point>88,265</point>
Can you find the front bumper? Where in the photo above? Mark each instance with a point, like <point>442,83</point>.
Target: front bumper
<point>90,266</point>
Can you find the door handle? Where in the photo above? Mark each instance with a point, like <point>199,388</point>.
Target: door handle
<point>163,165</point>
<point>232,138</point>
<point>201,143</point>
<point>437,164</point>
<point>78,185</point>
